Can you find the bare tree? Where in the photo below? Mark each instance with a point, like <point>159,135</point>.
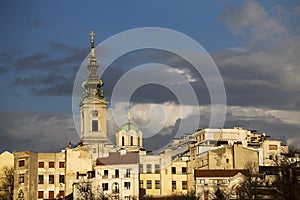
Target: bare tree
<point>286,182</point>
<point>87,192</point>
<point>7,183</point>
<point>249,188</point>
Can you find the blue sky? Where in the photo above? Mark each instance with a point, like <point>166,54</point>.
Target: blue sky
<point>254,44</point>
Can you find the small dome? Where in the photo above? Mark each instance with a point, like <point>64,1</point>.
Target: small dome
<point>129,126</point>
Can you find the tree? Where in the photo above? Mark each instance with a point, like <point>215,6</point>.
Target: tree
<point>248,189</point>
<point>85,191</point>
<point>286,181</point>
<point>7,183</point>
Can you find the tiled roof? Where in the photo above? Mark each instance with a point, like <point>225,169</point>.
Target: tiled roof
<point>220,172</point>
<point>116,158</point>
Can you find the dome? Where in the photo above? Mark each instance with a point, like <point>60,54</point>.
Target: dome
<point>129,126</point>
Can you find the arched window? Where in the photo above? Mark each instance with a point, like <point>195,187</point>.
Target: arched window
<point>123,140</point>
<point>131,140</point>
<point>115,187</point>
<point>21,194</point>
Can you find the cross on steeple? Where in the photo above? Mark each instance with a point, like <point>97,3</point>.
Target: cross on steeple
<point>92,34</point>
<point>128,116</point>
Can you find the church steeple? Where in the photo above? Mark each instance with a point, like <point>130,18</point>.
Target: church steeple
<point>93,107</point>
<point>93,85</point>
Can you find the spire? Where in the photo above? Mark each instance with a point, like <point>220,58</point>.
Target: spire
<point>93,84</point>
<point>128,117</point>
<point>92,34</point>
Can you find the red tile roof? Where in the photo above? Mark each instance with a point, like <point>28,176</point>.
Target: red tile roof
<point>116,158</point>
<point>220,172</point>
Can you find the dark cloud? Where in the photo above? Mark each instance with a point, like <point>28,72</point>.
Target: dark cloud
<point>38,24</point>
<point>153,92</point>
<point>57,89</point>
<point>3,69</point>
<point>47,75</point>
<point>35,61</point>
<point>45,132</point>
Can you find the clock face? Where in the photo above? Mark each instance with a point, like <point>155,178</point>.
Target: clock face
<point>94,113</point>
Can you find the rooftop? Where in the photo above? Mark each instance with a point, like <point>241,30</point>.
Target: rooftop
<point>116,158</point>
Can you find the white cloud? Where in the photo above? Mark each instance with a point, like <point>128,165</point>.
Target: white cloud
<point>272,46</point>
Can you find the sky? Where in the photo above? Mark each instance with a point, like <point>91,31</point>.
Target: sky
<point>255,45</point>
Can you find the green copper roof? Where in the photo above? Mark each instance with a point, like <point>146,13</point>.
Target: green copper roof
<point>129,126</point>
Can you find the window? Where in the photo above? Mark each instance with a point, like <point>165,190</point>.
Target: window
<point>157,169</point>
<point>141,168</point>
<point>51,194</point>
<point>149,184</point>
<point>270,157</point>
<point>166,171</point>
<point>94,125</point>
<point>105,172</point>
<point>61,178</point>
<point>183,170</point>
<point>273,147</point>
<point>105,186</point>
<point>131,140</point>
<point>40,194</point>
<point>127,185</point>
<point>21,163</point>
<point>94,150</point>
<point>173,170</point>
<point>117,173</point>
<point>41,179</point>
<point>61,164</point>
<point>173,185</point>
<point>41,164</point>
<point>138,139</point>
<point>141,184</point>
<point>157,184</point>
<point>115,187</point>
<point>21,194</point>
<point>227,160</point>
<point>184,185</point>
<point>149,168</point>
<point>127,173</point>
<point>51,179</point>
<point>61,193</point>
<point>21,178</point>
<point>123,141</point>
<point>51,164</point>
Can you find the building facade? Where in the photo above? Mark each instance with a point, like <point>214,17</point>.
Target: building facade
<point>127,171</point>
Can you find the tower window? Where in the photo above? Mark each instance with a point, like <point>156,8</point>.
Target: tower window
<point>21,163</point>
<point>138,141</point>
<point>94,125</point>
<point>123,140</point>
<point>131,140</point>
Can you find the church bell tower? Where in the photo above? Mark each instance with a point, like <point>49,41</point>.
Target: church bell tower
<point>93,105</point>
